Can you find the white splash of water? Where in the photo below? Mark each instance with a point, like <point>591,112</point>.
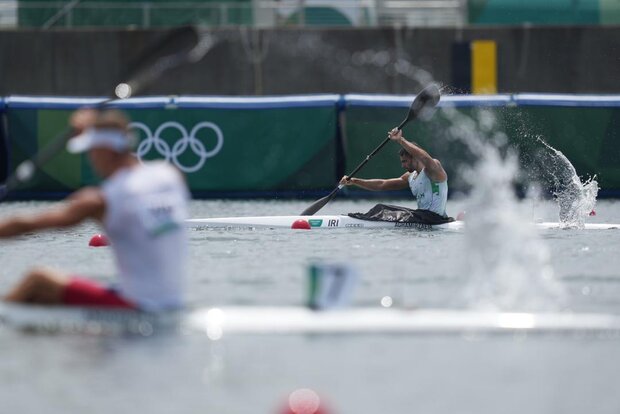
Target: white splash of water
<point>576,199</point>
<point>506,261</point>
<point>509,265</point>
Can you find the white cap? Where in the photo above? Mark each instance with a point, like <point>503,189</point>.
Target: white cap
<point>114,139</point>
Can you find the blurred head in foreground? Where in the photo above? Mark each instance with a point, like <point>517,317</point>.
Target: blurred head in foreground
<point>105,135</point>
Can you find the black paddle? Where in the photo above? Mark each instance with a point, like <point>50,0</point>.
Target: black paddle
<point>422,105</point>
<point>186,44</point>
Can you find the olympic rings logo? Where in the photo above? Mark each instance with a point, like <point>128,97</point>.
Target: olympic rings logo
<point>186,142</point>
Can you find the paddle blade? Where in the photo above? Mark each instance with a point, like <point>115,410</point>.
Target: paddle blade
<point>423,106</point>
<point>320,203</point>
<point>186,44</point>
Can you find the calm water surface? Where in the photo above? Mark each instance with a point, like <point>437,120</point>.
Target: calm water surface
<point>544,373</point>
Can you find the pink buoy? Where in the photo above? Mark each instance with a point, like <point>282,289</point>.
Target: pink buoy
<point>304,401</point>
<point>99,240</point>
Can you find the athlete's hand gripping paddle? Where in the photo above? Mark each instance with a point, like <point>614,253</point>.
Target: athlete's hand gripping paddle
<point>186,44</point>
<point>421,107</point>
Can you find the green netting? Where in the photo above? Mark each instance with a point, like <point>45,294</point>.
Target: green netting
<point>534,11</point>
<point>119,13</point>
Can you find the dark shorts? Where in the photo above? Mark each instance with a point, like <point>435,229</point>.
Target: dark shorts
<point>85,292</point>
<point>387,212</point>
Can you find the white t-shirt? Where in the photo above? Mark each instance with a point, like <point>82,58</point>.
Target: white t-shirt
<point>430,196</point>
<point>146,208</point>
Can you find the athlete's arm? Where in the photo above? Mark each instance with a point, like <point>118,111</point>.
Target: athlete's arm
<point>432,167</point>
<point>378,184</point>
<point>84,204</point>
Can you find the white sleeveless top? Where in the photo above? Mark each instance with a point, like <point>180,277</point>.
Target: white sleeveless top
<point>430,196</point>
<point>146,206</point>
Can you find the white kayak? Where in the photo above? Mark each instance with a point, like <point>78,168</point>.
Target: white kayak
<point>218,322</point>
<point>88,320</point>
<point>343,221</point>
<point>299,320</point>
<point>315,222</point>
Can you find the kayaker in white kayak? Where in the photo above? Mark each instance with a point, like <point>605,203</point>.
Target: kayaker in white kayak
<point>142,208</point>
<point>424,176</point>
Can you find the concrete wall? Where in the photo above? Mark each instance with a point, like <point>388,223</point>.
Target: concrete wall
<point>558,59</point>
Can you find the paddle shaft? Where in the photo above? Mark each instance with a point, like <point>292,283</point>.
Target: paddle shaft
<point>368,157</point>
<point>319,204</point>
<point>372,154</point>
<point>323,201</point>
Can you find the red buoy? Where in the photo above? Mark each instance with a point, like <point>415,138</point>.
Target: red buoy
<point>593,213</point>
<point>99,240</point>
<point>301,224</point>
